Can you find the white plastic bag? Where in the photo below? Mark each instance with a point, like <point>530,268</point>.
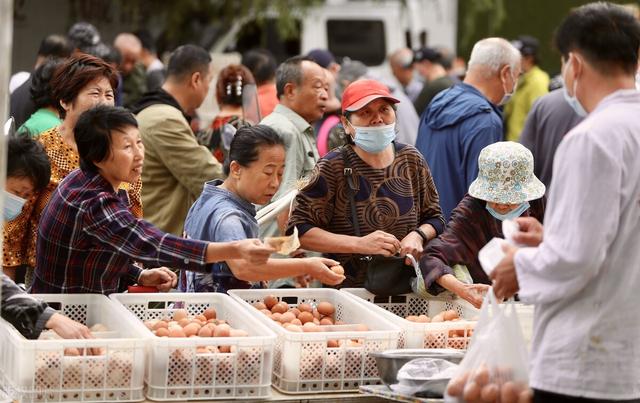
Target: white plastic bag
<point>494,368</point>
<point>424,375</point>
<point>491,254</point>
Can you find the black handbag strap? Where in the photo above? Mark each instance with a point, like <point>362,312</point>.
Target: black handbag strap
<point>348,173</point>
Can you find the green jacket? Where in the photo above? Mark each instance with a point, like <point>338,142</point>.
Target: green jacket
<point>532,85</point>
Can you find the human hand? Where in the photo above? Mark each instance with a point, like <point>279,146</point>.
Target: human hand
<point>473,293</point>
<point>379,243</point>
<point>253,251</point>
<point>68,328</point>
<point>411,245</point>
<point>504,276</point>
<point>530,232</point>
<point>162,278</point>
<point>320,269</point>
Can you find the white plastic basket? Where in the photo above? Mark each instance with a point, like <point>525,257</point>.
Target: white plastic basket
<point>422,335</point>
<point>38,370</point>
<point>302,361</point>
<point>175,368</point>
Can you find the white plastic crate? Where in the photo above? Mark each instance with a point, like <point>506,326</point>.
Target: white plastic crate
<point>302,361</point>
<point>422,335</point>
<point>175,368</point>
<point>38,370</point>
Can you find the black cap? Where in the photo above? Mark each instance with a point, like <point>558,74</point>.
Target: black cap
<point>430,54</point>
<point>527,45</point>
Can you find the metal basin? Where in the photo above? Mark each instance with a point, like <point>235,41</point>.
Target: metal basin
<point>389,362</point>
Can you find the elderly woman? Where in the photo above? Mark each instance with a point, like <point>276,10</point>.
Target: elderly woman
<point>395,200</point>
<point>506,188</point>
<point>80,83</point>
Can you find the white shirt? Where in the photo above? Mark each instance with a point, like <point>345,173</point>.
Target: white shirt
<point>585,277</point>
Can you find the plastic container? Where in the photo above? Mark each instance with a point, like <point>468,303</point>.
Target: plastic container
<point>178,370</point>
<point>303,363</point>
<point>422,335</point>
<point>39,370</point>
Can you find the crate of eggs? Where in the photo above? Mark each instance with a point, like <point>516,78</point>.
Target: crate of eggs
<point>108,367</point>
<point>425,322</point>
<point>201,346</point>
<point>324,338</point>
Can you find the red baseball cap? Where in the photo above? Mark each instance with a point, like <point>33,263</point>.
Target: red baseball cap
<point>359,93</point>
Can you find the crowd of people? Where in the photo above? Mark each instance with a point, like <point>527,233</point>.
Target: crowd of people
<point>110,182</point>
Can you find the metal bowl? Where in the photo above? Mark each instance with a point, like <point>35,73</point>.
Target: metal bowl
<point>389,362</point>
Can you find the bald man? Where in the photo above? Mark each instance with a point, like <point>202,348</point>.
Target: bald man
<point>133,72</point>
<point>401,63</point>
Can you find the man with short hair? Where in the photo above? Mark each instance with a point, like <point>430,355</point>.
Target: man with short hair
<point>175,166</point>
<point>581,270</point>
<point>430,64</point>
<point>533,84</point>
<point>149,58</point>
<point>464,119</point>
<point>134,79</point>
<point>263,67</point>
<point>401,64</point>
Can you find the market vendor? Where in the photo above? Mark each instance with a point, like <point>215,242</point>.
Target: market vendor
<point>89,240</point>
<point>505,188</point>
<point>225,212</point>
<point>28,171</point>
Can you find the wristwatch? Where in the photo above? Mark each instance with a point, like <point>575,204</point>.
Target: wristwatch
<point>422,235</point>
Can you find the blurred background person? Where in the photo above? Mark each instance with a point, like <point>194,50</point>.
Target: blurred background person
<point>401,64</point>
<point>429,63</point>
<point>533,83</point>
<point>154,67</point>
<point>263,67</point>
<point>325,59</point>
<point>134,78</point>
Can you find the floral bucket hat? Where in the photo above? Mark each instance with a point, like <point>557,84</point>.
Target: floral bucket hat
<point>505,175</point>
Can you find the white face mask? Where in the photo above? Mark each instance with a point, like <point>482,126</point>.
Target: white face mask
<point>12,205</point>
<point>507,95</point>
<point>572,100</point>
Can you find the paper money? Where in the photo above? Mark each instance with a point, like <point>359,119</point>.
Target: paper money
<point>284,245</point>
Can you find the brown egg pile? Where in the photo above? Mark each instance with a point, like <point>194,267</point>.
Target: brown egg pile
<point>446,316</point>
<point>489,385</point>
<point>204,325</point>
<point>306,318</point>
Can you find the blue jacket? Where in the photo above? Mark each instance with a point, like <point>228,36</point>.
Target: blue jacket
<point>456,125</point>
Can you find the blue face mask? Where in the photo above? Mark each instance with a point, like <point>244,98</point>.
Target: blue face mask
<point>573,100</point>
<point>12,205</point>
<point>374,139</point>
<point>511,215</point>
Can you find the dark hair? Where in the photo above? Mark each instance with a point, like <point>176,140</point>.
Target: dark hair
<point>245,145</point>
<point>105,52</point>
<point>55,46</point>
<point>186,60</point>
<point>93,133</point>
<point>607,35</point>
<point>26,158</point>
<point>231,81</point>
<point>261,63</point>
<point>146,39</point>
<point>75,73</point>
<point>83,34</point>
<point>290,71</point>
<point>41,83</point>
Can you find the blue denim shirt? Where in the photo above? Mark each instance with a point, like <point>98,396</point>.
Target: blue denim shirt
<point>218,216</point>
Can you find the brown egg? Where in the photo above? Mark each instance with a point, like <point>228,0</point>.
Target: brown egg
<point>412,318</point>
<point>176,332</point>
<point>191,329</point>
<point>150,323</point>
<point>296,321</point>
<point>490,392</point>
<point>326,308</point>
<point>316,314</point>
<point>526,396</point>
<point>332,343</point>
<point>280,307</point>
<point>509,393</point>
<point>71,352</point>
<point>424,319</point>
<point>222,330</point>
<point>224,349</point>
<point>450,315</point>
<point>438,318</point>
<point>304,307</point>
<point>259,305</point>
<point>202,350</point>
<point>180,314</point>
<point>316,321</point>
<point>209,313</point>
<point>184,322</point>
<point>310,327</point>
<point>270,301</point>
<point>276,316</point>
<point>481,375</point>
<point>293,328</point>
<point>354,343</point>
<point>295,311</point>
<point>200,318</point>
<point>266,312</point>
<point>162,332</point>
<point>471,392</point>
<point>287,317</point>
<point>205,331</point>
<point>238,333</point>
<point>160,324</point>
<point>455,386</point>
<point>326,321</point>
<point>305,317</point>
<point>338,270</point>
